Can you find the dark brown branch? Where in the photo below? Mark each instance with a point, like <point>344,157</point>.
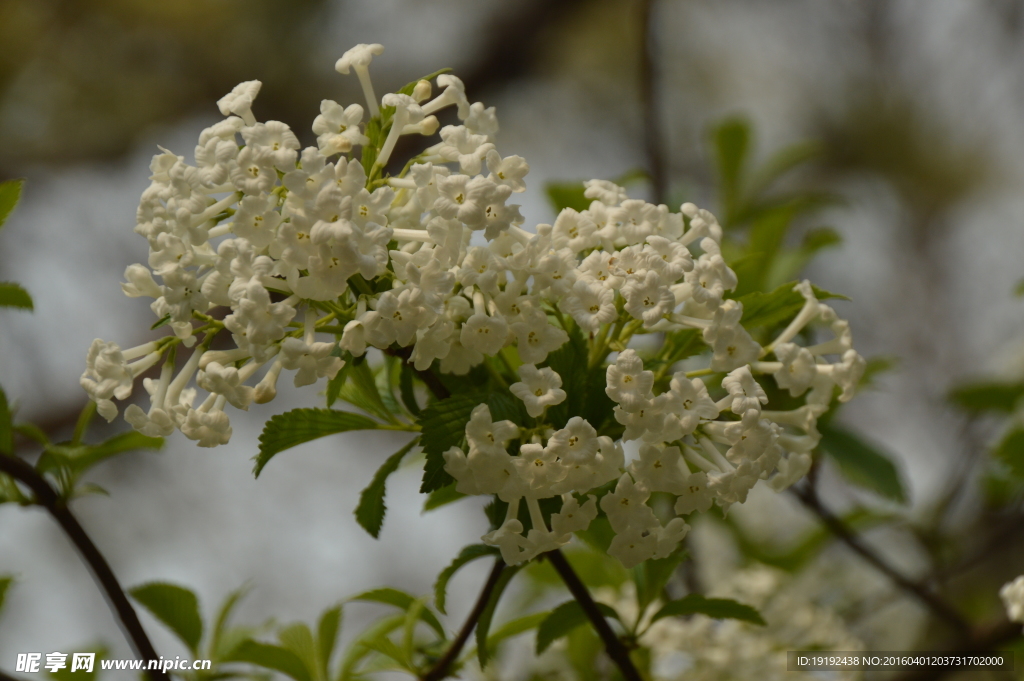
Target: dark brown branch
<point>616,650</point>
<point>48,498</point>
<point>653,145</point>
<point>845,534</point>
<point>440,670</point>
<point>7,677</point>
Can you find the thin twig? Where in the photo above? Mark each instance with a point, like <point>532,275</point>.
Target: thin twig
<point>653,144</point>
<point>440,670</point>
<point>849,537</point>
<point>48,498</point>
<point>616,650</point>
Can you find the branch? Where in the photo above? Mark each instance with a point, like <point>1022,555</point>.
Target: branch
<point>48,498</point>
<point>616,650</point>
<point>649,103</point>
<point>849,537</point>
<point>440,670</point>
<point>7,677</point>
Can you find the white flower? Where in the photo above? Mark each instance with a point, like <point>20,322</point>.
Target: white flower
<point>106,375</point>
<point>798,368</point>
<point>509,538</point>
<point>508,171</point>
<point>633,545</point>
<point>273,143</point>
<point>608,193</point>
<point>574,230</point>
<point>312,360</point>
<point>359,58</point>
<point>660,469</point>
<point>484,334</point>
<point>485,434</point>
<point>536,337</point>
<point>694,494</point>
<point>459,144</point>
<point>208,428</point>
<point>573,517</point>
<point>732,345</point>
<point>481,121</point>
<point>575,444</point>
<point>745,393</point>
<point>710,276</point>
<point>226,381</point>
<point>337,128</point>
<point>689,402</point>
<point>1012,594</point>
<point>454,93</point>
<point>239,101</point>
<point>538,389</point>
<point>648,299</point>
<point>627,383</point>
<point>591,304</point>
<point>791,468</point>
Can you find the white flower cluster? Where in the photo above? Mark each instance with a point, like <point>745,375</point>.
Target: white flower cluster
<point>292,243</point>
<point>1012,594</point>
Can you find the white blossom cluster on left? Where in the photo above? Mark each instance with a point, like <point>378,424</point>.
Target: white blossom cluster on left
<point>277,235</point>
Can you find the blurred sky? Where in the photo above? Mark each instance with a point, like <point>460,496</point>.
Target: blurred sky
<point>919,104</point>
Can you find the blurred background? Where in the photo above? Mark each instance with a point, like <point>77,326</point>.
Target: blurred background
<point>915,109</point>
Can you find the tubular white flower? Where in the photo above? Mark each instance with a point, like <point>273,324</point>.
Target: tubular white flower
<point>359,58</point>
<point>538,389</point>
<point>239,101</point>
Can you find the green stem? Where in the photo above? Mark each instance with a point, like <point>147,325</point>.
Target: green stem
<point>84,418</point>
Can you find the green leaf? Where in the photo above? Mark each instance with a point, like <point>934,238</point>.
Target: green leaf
<point>222,642</point>
<point>176,607</point>
<point>5,584</point>
<point>1010,450</point>
<point>780,163</point>
<point>441,497</point>
<point>731,140</point>
<point>401,600</point>
<point>371,508</point>
<point>12,295</point>
<point>6,433</point>
<point>1018,290</point>
<point>66,674</point>
<point>123,442</point>
<point>782,304</point>
<point>335,384</point>
<point>766,236</point>
<point>299,640</point>
<point>567,195</point>
<point>514,628</point>
<point>10,193</point>
<point>980,397</point>
<point>327,637</point>
<point>163,321</point>
<point>361,391</point>
<point>483,624</point>
<point>718,608</point>
<point>385,646</point>
<point>358,649</point>
<point>443,426</point>
<point>862,463</point>
<point>406,391</point>
<point>651,576</point>
<point>270,656</point>
<point>467,555</point>
<point>563,620</point>
<point>302,425</point>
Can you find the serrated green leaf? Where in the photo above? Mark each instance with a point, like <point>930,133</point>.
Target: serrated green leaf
<point>5,584</point>
<point>651,576</point>
<point>12,295</point>
<point>6,432</point>
<point>401,600</point>
<point>467,555</point>
<point>176,607</point>
<point>780,305</point>
<point>327,630</point>
<point>718,608</point>
<point>443,426</point>
<point>563,620</point>
<point>981,397</point>
<point>483,625</point>
<point>564,195</point>
<point>270,656</point>
<point>297,426</point>
<point>862,463</point>
<point>441,497</point>
<point>10,194</point>
<point>371,509</point>
<point>1010,451</point>
<point>299,640</point>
